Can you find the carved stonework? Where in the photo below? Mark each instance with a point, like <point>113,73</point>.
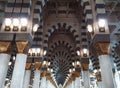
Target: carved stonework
<point>85,66</point>
<point>4,46</point>
<point>28,66</point>
<point>22,45</point>
<point>101,48</point>
<point>38,65</point>
<point>43,73</point>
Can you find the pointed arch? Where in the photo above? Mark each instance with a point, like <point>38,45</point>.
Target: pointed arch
<point>61,26</point>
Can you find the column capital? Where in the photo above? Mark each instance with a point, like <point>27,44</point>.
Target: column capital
<point>4,46</point>
<point>22,46</point>
<point>101,48</point>
<point>85,66</point>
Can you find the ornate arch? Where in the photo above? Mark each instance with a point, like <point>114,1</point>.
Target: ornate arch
<point>61,26</point>
<point>64,43</point>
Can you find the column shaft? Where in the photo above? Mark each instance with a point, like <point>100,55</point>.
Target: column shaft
<point>36,81</point>
<point>77,83</point>
<point>26,79</point>
<point>99,84</point>
<point>18,72</point>
<point>73,84</point>
<point>86,79</point>
<point>4,60</point>
<point>43,82</point>
<point>106,71</point>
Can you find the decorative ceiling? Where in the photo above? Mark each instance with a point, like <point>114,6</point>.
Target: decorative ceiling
<point>62,20</point>
<point>62,41</point>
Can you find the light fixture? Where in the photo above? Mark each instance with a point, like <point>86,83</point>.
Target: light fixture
<point>89,27</point>
<point>77,63</point>
<point>9,63</point>
<point>78,52</point>
<point>48,69</point>
<point>99,70</point>
<point>73,63</point>
<point>73,69</point>
<point>6,79</point>
<point>101,22</point>
<point>35,27</point>
<point>44,62</point>
<point>51,70</point>
<point>48,63</point>
<point>33,50</point>
<point>30,51</point>
<point>101,25</point>
<point>70,70</point>
<point>45,52</point>
<point>14,57</point>
<point>24,22</point>
<point>69,75</point>
<point>41,52</point>
<point>15,22</point>
<point>85,51</point>
<point>95,71</point>
<point>38,50</point>
<point>8,22</point>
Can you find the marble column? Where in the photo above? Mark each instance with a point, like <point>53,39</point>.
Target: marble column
<point>77,83</point>
<point>73,84</point>
<point>18,72</point>
<point>26,79</point>
<point>81,82</point>
<point>106,71</point>
<point>43,82</point>
<point>70,85</point>
<point>36,82</point>
<point>48,84</point>
<point>4,60</point>
<point>86,79</point>
<point>99,84</point>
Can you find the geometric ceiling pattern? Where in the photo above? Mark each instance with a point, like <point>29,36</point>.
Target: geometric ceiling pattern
<point>65,33</point>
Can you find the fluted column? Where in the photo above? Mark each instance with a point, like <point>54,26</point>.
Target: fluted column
<point>26,79</point>
<point>4,60</point>
<point>36,81</point>
<point>18,72</point>
<point>106,71</point>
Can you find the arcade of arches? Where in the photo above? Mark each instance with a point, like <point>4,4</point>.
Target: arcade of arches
<point>59,44</point>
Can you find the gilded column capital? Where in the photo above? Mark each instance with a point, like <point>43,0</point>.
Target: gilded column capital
<point>37,65</point>
<point>22,46</point>
<point>28,66</point>
<point>4,46</point>
<point>85,66</point>
<point>101,48</point>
